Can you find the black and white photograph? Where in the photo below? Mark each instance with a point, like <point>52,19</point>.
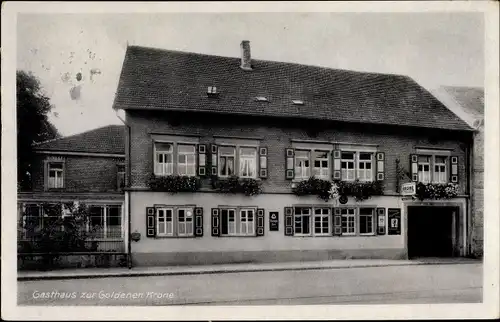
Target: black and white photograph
<point>251,157</point>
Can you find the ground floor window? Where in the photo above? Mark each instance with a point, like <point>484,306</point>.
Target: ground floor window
<point>317,218</point>
<point>366,226</point>
<point>102,221</point>
<point>348,221</point>
<point>237,221</point>
<point>174,221</point>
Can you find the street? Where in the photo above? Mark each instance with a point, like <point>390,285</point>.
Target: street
<point>457,283</point>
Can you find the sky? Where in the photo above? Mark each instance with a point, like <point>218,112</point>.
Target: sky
<point>433,48</point>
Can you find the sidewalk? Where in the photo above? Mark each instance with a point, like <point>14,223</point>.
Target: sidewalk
<point>230,268</point>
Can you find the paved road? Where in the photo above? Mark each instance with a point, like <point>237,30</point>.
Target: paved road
<point>458,283</point>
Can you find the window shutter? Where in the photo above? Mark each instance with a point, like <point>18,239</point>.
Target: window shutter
<point>336,174</point>
<point>381,221</point>
<point>337,222</point>
<point>262,162</point>
<point>150,222</point>
<point>288,221</point>
<point>202,160</point>
<point>454,169</point>
<point>260,222</point>
<point>380,166</point>
<point>213,151</point>
<point>414,167</point>
<point>198,222</point>
<point>290,160</point>
<point>215,222</point>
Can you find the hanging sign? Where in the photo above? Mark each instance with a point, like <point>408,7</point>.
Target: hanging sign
<point>408,189</point>
<point>394,220</point>
<point>274,221</point>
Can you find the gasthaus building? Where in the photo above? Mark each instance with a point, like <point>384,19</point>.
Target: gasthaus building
<point>220,153</point>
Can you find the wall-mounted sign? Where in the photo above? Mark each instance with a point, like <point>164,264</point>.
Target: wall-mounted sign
<point>394,221</point>
<point>274,221</point>
<point>409,189</point>
<point>343,199</point>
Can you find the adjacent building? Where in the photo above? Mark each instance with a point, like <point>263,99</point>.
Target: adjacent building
<point>89,168</point>
<point>204,132</point>
<point>468,104</point>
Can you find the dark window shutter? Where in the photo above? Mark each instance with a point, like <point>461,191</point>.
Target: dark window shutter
<point>454,169</point>
<point>337,222</point>
<point>288,221</point>
<point>336,174</point>
<point>150,222</point>
<point>202,160</point>
<point>198,222</point>
<point>260,222</point>
<point>215,222</point>
<point>214,161</point>
<point>380,166</point>
<point>414,167</point>
<point>381,221</point>
<point>263,162</point>
<point>290,160</point>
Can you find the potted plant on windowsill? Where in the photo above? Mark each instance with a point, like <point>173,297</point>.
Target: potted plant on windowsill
<point>234,184</point>
<point>174,183</point>
<point>327,190</point>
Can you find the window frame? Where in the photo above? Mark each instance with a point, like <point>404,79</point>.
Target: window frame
<point>312,221</point>
<point>302,168</point>
<point>61,170</point>
<point>372,216</point>
<point>345,170</point>
<point>428,163</point>
<point>237,211</point>
<point>104,217</point>
<point>254,161</point>
<point>365,162</point>
<point>175,221</point>
<point>328,174</point>
<point>237,146</point>
<point>311,148</point>
<point>186,164</point>
<point>155,159</point>
<point>175,155</point>
<point>445,164</point>
<point>348,215</point>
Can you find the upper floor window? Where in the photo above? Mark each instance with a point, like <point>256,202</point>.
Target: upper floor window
<point>365,166</point>
<point>227,159</point>
<point>164,159</point>
<point>175,159</point>
<point>440,169</point>
<point>186,160</point>
<point>55,175</point>
<point>424,168</point>
<point>237,161</point>
<point>302,166</point>
<point>347,165</point>
<point>248,162</point>
<point>321,164</point>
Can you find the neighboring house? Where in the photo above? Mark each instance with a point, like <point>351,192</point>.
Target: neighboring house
<point>468,104</point>
<point>275,123</point>
<point>89,168</point>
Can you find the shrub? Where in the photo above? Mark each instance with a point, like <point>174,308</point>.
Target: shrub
<point>233,184</point>
<point>174,184</point>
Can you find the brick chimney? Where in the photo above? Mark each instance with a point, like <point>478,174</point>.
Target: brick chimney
<point>246,59</point>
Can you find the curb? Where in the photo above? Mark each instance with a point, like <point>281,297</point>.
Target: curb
<point>222,271</point>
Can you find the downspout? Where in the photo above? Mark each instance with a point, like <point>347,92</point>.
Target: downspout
<point>127,185</point>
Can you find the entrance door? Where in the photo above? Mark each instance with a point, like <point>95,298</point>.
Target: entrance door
<point>431,231</point>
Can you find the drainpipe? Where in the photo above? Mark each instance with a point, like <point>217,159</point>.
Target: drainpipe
<point>127,185</point>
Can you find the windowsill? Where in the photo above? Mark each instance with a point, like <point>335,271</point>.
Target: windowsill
<point>370,234</point>
<point>245,236</point>
<point>172,236</point>
<point>348,235</point>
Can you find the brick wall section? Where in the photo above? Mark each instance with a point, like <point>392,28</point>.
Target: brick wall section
<point>276,134</point>
<point>82,173</point>
<point>478,193</point>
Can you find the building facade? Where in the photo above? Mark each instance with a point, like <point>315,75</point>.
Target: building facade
<point>199,125</point>
<point>88,168</point>
<point>468,104</point>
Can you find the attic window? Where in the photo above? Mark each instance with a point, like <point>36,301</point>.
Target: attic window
<point>298,102</point>
<point>212,90</point>
<point>261,99</point>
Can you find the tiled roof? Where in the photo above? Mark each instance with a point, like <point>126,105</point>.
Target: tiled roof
<point>470,98</point>
<point>108,139</point>
<point>172,80</point>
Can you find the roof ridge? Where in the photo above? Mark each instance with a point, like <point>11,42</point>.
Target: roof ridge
<point>266,61</point>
